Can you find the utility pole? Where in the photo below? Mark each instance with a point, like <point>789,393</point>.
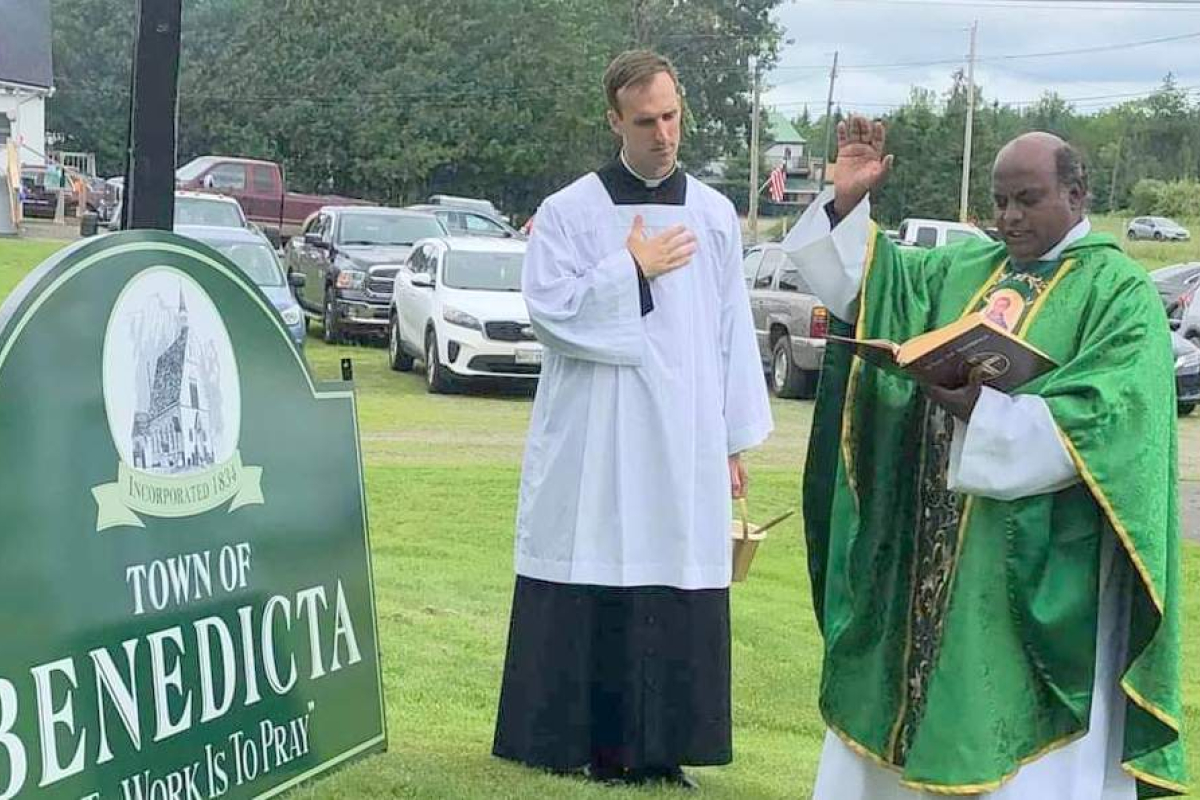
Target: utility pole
<point>964,197</point>
<point>1112,191</point>
<point>752,219</point>
<point>828,120</point>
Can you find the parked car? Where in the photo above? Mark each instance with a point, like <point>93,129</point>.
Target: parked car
<point>458,307</point>
<point>1187,374</point>
<point>1158,228</point>
<point>1172,282</point>
<point>469,222</point>
<point>197,209</point>
<point>260,188</point>
<point>349,256</point>
<point>1185,317</point>
<point>936,232</point>
<point>472,203</point>
<point>256,257</point>
<point>789,320</point>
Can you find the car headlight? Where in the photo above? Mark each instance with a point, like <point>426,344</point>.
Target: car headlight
<point>351,279</point>
<point>1188,360</point>
<point>460,318</point>
<point>292,315</point>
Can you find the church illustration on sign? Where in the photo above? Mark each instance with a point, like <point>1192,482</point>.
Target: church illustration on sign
<point>173,433</point>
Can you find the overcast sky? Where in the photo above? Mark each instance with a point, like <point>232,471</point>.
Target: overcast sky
<point>872,36</point>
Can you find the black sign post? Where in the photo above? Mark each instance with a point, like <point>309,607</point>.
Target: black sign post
<point>150,163</point>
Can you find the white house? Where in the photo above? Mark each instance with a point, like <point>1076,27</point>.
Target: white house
<point>26,76</point>
<point>801,170</point>
<point>786,145</point>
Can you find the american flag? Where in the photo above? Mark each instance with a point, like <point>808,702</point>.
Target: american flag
<point>775,184</point>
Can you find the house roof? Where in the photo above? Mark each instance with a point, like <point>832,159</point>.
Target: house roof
<point>780,130</point>
<point>25,43</point>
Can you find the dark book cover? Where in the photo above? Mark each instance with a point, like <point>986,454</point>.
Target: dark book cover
<point>950,356</point>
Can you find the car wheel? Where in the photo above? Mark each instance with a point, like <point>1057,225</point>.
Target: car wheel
<point>1186,408</point>
<point>786,380</point>
<point>436,379</point>
<point>400,361</point>
<point>332,333</point>
<point>1130,234</point>
<point>1158,236</point>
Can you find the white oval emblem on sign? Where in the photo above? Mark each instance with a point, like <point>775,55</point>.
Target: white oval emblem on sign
<point>171,385</point>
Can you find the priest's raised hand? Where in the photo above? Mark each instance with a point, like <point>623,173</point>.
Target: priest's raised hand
<point>861,163</point>
<point>657,255</point>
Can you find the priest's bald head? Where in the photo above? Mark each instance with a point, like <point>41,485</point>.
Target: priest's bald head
<point>1039,185</point>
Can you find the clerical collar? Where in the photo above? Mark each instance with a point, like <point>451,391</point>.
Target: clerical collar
<point>651,183</point>
<point>626,188</point>
<point>1082,229</point>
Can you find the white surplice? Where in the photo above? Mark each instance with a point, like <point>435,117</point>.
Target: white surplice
<point>625,480</point>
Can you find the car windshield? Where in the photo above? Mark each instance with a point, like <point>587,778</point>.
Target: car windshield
<point>256,260</point>
<point>191,170</point>
<point>1164,222</point>
<point>957,235</point>
<point>1179,271</point>
<point>367,229</point>
<point>488,272</point>
<point>214,213</point>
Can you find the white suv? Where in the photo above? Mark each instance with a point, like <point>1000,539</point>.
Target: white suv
<point>457,306</point>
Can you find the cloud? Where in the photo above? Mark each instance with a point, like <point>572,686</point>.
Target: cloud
<point>872,37</point>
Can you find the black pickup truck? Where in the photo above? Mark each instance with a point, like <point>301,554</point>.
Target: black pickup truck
<point>349,256</point>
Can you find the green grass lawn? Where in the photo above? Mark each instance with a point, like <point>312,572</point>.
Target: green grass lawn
<point>1151,254</point>
<point>18,256</point>
<point>442,475</point>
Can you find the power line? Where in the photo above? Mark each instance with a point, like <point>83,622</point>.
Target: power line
<point>1011,56</point>
<point>1084,101</point>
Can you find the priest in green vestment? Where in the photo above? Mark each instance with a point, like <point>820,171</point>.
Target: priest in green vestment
<point>996,576</point>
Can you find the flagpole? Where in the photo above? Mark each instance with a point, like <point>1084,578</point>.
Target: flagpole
<point>752,216</point>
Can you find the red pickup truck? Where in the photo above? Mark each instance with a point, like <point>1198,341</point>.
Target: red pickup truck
<point>260,189</point>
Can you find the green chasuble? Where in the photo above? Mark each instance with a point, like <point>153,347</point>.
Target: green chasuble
<point>960,632</point>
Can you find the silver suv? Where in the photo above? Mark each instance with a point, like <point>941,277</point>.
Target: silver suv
<point>790,321</point>
<point>1157,228</point>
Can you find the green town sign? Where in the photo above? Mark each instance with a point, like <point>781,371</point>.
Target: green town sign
<point>185,579</point>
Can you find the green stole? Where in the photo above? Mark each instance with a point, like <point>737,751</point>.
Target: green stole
<point>960,632</point>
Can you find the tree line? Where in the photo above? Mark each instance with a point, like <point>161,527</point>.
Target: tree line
<point>1142,155</point>
<point>394,100</point>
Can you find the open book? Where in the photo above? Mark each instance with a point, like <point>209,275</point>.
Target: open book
<point>950,355</point>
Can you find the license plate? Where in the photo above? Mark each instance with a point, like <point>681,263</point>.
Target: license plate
<point>528,356</point>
